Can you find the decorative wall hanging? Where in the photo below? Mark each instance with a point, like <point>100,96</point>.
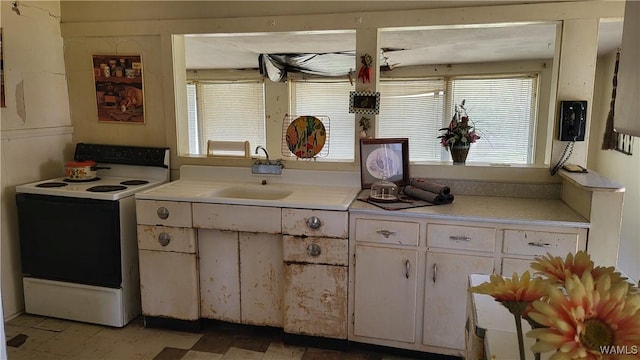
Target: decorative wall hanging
<point>305,137</point>
<point>364,102</point>
<point>365,71</point>
<point>119,90</point>
<point>384,159</point>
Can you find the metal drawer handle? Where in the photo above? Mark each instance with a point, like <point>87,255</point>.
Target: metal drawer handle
<point>314,250</point>
<point>163,213</point>
<point>314,222</point>
<point>164,239</point>
<point>407,268</point>
<point>539,244</point>
<point>459,238</point>
<point>435,273</point>
<point>386,233</point>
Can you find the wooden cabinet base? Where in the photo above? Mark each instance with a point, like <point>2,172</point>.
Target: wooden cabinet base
<point>173,324</point>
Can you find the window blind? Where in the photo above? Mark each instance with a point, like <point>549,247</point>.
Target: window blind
<point>192,119</point>
<point>413,109</point>
<point>503,112</point>
<point>231,111</point>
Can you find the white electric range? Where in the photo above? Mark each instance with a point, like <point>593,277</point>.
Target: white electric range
<point>78,238</point>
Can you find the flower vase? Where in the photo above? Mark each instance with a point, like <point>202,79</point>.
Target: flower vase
<point>459,153</point>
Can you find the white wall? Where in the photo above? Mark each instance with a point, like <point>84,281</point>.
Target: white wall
<point>619,167</point>
<point>35,125</point>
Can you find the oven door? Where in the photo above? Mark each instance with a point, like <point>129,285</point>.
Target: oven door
<point>70,239</point>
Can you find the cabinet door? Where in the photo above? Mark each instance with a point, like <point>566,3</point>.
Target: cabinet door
<point>169,284</point>
<point>385,293</point>
<point>316,300</point>
<point>219,275</point>
<point>261,279</point>
<point>446,284</point>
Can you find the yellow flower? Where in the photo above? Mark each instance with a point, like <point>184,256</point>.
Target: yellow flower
<point>521,289</point>
<point>557,270</point>
<point>587,321</point>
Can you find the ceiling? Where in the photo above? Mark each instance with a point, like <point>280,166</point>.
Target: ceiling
<point>428,46</point>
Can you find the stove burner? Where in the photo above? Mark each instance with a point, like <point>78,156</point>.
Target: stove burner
<point>106,188</point>
<point>134,182</point>
<point>81,181</point>
<point>52,184</point>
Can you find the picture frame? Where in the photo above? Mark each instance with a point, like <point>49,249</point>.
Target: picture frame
<point>386,158</point>
<point>119,88</point>
<point>364,102</point>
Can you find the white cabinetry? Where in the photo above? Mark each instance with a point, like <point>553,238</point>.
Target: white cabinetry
<point>241,272</point>
<point>168,263</point>
<point>316,258</point>
<point>409,274</point>
<point>454,250</point>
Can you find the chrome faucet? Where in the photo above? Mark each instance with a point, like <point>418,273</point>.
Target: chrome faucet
<point>260,147</point>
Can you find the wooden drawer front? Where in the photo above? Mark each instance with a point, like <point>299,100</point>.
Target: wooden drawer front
<point>237,218</point>
<point>163,238</point>
<point>461,237</point>
<point>510,265</point>
<point>527,242</point>
<point>301,222</point>
<point>388,232</point>
<point>316,250</point>
<point>167,213</point>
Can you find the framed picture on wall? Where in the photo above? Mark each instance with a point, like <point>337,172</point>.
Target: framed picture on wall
<point>384,159</point>
<point>364,102</point>
<point>119,88</point>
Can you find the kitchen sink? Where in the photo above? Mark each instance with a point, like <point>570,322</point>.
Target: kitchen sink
<point>251,192</point>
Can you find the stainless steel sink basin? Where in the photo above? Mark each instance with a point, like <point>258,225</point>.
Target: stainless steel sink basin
<point>251,192</point>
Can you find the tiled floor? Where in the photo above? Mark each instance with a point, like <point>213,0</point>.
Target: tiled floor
<point>35,337</point>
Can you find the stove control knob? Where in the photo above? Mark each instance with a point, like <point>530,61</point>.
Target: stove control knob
<point>164,239</point>
<point>163,213</point>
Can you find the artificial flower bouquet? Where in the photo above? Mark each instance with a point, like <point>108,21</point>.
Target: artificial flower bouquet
<point>576,309</point>
<point>460,131</point>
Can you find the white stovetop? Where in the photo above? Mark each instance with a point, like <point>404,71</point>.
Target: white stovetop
<point>327,190</point>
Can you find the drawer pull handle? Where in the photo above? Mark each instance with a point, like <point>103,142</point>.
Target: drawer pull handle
<point>539,244</point>
<point>435,273</point>
<point>314,250</point>
<point>407,268</point>
<point>459,238</point>
<point>386,233</point>
<point>164,239</point>
<point>163,213</point>
<point>314,222</point>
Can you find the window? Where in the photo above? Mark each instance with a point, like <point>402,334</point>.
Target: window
<point>225,111</point>
<point>330,98</point>
<point>502,109</point>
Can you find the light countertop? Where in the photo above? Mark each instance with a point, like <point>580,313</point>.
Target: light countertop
<point>549,212</point>
<point>323,190</point>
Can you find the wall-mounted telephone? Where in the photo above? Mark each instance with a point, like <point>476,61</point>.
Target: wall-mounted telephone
<point>573,115</point>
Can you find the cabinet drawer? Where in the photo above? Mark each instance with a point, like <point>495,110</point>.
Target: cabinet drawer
<point>163,238</point>
<point>237,218</point>
<point>388,232</point>
<point>527,242</point>
<point>315,223</point>
<point>461,237</point>
<point>167,213</point>
<point>316,250</point>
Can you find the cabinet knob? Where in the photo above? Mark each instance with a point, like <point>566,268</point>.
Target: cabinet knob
<point>314,250</point>
<point>164,239</point>
<point>163,213</point>
<point>314,222</point>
